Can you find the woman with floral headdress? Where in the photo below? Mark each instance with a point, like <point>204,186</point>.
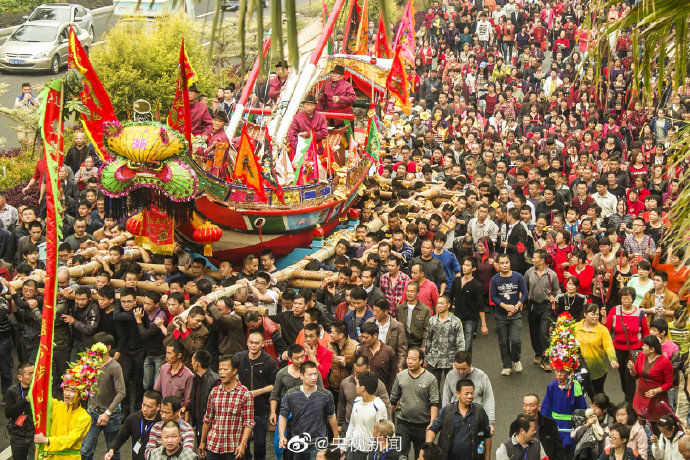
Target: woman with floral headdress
<point>69,421</point>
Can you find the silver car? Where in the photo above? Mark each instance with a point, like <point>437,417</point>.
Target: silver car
<point>40,45</point>
<point>64,12</point>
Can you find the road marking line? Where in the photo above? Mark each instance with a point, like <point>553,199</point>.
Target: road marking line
<point>94,44</point>
<point>206,14</point>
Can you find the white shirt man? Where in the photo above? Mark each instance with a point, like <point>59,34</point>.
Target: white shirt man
<point>606,201</point>
<point>481,226</point>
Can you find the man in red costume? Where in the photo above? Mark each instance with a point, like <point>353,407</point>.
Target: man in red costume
<point>306,121</point>
<point>275,86</point>
<point>220,119</point>
<point>338,94</point>
<point>218,154</point>
<point>202,123</point>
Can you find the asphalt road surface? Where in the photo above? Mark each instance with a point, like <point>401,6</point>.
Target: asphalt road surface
<point>508,390</point>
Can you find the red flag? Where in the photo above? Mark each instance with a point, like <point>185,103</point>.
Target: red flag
<point>520,248</point>
<point>179,116</point>
<point>328,159</point>
<point>40,394</point>
<point>351,28</point>
<point>362,43</point>
<point>383,49</point>
<point>247,168</point>
<point>397,81</point>
<point>93,95</point>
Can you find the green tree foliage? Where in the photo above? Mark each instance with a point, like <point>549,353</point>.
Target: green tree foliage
<point>661,52</point>
<point>139,60</point>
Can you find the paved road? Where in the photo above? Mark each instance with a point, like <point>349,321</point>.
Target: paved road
<point>508,390</point>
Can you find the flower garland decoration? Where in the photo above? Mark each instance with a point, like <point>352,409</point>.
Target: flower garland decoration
<point>165,139</point>
<point>82,375</point>
<point>113,128</point>
<point>564,349</point>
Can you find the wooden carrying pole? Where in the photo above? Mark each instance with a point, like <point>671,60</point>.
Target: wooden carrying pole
<point>86,269</point>
<point>149,286</point>
<point>288,273</point>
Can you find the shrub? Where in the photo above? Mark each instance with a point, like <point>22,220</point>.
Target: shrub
<point>16,168</point>
<point>17,198</point>
<point>139,60</point>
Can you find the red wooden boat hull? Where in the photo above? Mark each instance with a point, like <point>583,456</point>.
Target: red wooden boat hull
<point>250,227</point>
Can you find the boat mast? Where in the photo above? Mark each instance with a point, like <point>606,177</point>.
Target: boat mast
<point>307,74</point>
<point>246,91</point>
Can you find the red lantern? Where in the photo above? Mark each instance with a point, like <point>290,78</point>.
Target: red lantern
<point>135,224</point>
<point>207,234</point>
<point>353,213</point>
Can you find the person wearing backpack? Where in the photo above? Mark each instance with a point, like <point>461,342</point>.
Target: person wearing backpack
<point>628,325</point>
<point>464,418</point>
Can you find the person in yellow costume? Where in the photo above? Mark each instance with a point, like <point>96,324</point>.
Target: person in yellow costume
<point>69,421</point>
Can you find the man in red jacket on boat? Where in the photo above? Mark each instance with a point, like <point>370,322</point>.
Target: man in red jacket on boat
<point>306,121</point>
<point>216,152</point>
<point>275,86</point>
<point>202,123</point>
<point>338,95</point>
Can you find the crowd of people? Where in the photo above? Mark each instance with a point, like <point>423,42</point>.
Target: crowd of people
<point>521,186</point>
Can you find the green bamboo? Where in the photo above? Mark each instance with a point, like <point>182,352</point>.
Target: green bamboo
<point>383,8</point>
<point>681,48</point>
<point>662,62</point>
<point>636,59</point>
<point>277,28</point>
<point>214,29</point>
<point>293,47</point>
<point>241,29</point>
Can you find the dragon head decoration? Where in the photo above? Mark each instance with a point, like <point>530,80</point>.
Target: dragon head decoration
<point>145,169</point>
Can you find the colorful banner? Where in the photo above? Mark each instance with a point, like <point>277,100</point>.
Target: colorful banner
<point>303,144</point>
<point>404,38</point>
<point>179,116</point>
<point>382,47</point>
<point>247,167</point>
<point>158,232</point>
<point>351,28</point>
<point>268,168</point>
<point>362,43</point>
<point>40,395</point>
<point>93,95</point>
<point>397,82</point>
<point>310,168</point>
<point>373,144</point>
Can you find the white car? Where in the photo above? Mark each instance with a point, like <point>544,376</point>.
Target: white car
<point>40,45</point>
<point>64,12</point>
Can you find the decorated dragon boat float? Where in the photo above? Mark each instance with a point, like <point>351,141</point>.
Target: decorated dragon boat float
<point>173,187</point>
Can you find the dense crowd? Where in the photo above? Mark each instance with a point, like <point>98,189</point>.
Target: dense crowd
<point>521,186</point>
